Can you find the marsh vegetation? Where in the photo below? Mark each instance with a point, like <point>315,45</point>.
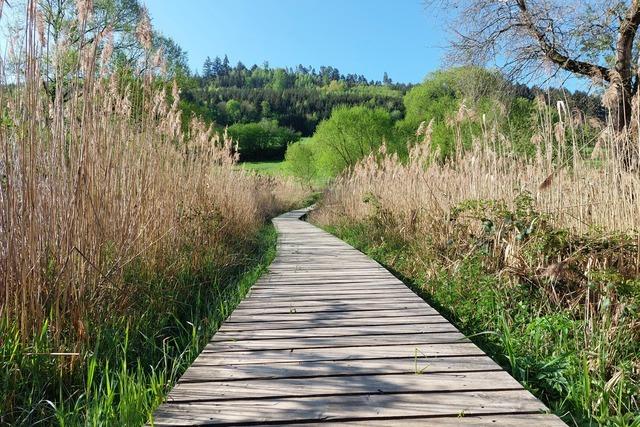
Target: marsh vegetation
<point>135,199</point>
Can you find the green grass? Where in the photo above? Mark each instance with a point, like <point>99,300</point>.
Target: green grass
<point>543,346</point>
<point>265,168</point>
<point>132,363</point>
<point>279,168</point>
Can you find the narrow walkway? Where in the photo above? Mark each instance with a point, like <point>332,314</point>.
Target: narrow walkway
<point>330,337</point>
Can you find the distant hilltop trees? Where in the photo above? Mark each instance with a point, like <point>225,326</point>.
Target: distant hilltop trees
<point>223,74</point>
<point>297,98</point>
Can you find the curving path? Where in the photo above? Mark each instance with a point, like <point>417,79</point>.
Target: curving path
<point>330,337</point>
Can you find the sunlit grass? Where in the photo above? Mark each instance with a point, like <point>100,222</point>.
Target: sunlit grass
<point>272,168</point>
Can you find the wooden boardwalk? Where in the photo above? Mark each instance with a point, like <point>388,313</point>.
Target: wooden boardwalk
<point>330,337</point>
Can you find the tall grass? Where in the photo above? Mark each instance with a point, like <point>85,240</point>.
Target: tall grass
<point>116,227</point>
<point>583,186</point>
<point>542,252</point>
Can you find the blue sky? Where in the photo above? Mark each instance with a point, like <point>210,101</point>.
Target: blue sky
<point>357,36</point>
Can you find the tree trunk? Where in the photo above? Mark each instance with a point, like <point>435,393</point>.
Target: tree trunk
<point>626,132</point>
<point>621,110</point>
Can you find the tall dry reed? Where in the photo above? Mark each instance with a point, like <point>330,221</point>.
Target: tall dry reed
<point>581,189</point>
<point>98,175</point>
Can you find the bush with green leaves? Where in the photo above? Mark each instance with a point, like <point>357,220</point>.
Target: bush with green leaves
<point>440,97</point>
<point>300,160</point>
<point>264,140</point>
<point>350,134</point>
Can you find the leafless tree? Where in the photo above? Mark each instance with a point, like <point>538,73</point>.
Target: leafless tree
<point>591,38</point>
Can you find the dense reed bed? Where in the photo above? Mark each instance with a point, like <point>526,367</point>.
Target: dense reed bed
<point>584,187</point>
<point>124,238</point>
<point>539,255</point>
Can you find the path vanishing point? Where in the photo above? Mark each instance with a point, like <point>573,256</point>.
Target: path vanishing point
<point>328,336</point>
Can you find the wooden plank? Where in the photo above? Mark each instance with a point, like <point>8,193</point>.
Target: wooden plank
<point>326,327</point>
<point>339,300</point>
<point>324,286</point>
<point>297,260</point>
<point>287,255</point>
<point>299,269</point>
<point>502,420</point>
<point>349,407</point>
<point>330,289</point>
<point>351,285</point>
<point>202,371</point>
<point>395,298</point>
<point>318,273</point>
<point>256,323</point>
<point>398,303</point>
<point>343,385</point>
<point>352,311</point>
<point>318,292</point>
<point>351,318</point>
<point>342,353</point>
<point>320,279</point>
<point>338,331</point>
<point>340,341</point>
<point>332,296</point>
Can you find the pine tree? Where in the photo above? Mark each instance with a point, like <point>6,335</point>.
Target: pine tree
<point>226,68</point>
<point>216,68</point>
<point>207,69</point>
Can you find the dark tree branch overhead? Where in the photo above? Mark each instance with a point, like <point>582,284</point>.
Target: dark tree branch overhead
<point>553,54</point>
<point>596,39</point>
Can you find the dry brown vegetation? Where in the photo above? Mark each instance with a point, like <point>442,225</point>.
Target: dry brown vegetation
<point>582,192</point>
<point>100,177</point>
<point>127,233</point>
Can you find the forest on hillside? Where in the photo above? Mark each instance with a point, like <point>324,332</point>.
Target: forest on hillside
<point>267,108</point>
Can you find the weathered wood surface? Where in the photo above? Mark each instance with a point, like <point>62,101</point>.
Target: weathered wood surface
<point>330,337</point>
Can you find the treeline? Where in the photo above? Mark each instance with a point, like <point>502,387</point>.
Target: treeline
<point>300,109</point>
<point>224,75</point>
<point>271,108</point>
<point>298,98</point>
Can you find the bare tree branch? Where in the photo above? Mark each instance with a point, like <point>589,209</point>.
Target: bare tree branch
<point>554,55</point>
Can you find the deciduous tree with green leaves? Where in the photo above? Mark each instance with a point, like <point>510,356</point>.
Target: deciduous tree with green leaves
<point>596,39</point>
<point>350,134</point>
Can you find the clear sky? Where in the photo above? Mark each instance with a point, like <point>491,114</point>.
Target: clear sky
<point>356,36</point>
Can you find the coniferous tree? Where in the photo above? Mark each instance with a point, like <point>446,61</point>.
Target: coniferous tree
<point>207,69</point>
<point>216,68</point>
<point>226,68</point>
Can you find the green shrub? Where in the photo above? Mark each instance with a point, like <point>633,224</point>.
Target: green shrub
<point>350,134</point>
<point>264,140</point>
<point>440,97</point>
<point>300,160</point>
